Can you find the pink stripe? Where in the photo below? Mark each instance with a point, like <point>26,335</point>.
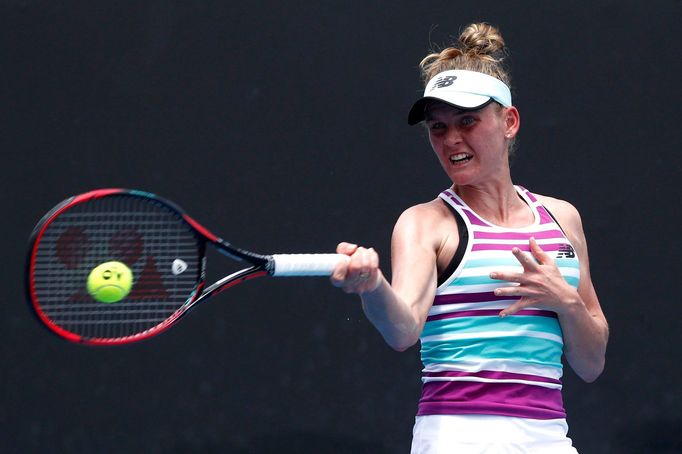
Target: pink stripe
<point>530,196</point>
<point>453,198</point>
<point>475,220</point>
<point>506,399</point>
<point>489,313</point>
<point>493,374</point>
<point>509,247</point>
<point>548,234</point>
<point>545,218</point>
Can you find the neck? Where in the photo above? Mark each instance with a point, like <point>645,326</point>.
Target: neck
<point>497,202</point>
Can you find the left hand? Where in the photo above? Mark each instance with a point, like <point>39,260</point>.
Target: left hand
<point>541,285</point>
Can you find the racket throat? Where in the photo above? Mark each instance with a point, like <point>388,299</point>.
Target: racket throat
<point>241,255</point>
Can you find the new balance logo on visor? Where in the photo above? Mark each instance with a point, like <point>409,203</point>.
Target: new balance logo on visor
<point>565,252</point>
<point>444,82</point>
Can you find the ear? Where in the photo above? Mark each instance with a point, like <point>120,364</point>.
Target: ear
<point>512,122</point>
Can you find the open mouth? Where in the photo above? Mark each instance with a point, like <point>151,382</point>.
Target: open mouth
<point>460,158</point>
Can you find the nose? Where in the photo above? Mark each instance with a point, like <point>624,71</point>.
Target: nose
<point>453,137</point>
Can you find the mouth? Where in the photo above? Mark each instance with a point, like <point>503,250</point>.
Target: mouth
<point>460,158</point>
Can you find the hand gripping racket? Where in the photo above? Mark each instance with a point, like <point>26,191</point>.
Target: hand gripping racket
<point>161,246</point>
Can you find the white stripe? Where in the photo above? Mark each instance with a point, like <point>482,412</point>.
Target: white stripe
<point>486,270</point>
<point>477,288</point>
<point>498,365</point>
<point>572,272</point>
<point>493,380</point>
<point>476,255</point>
<point>493,334</point>
<point>491,305</point>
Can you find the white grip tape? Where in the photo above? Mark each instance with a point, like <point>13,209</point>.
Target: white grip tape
<point>306,264</point>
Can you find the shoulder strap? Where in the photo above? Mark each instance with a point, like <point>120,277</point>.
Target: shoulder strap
<point>461,247</point>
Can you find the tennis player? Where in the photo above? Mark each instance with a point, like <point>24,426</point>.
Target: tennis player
<point>493,279</point>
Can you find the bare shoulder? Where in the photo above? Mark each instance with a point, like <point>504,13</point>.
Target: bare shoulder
<point>427,222</point>
<point>429,212</point>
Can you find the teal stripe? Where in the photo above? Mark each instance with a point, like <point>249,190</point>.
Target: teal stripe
<point>574,281</point>
<point>522,349</point>
<point>501,261</point>
<point>474,280</point>
<point>567,263</point>
<point>485,280</point>
<point>492,323</point>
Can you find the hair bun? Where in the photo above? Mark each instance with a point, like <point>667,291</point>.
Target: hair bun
<point>483,41</point>
<point>480,48</point>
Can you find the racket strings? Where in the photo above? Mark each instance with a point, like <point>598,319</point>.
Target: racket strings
<point>147,236</point>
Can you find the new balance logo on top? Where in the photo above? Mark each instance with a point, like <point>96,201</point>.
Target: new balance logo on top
<point>444,82</point>
<point>565,252</point>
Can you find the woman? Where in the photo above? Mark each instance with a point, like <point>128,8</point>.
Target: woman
<point>492,279</point>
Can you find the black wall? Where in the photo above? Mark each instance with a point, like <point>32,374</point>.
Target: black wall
<point>282,127</point>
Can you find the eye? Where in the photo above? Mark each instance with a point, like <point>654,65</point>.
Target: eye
<point>468,121</point>
<point>436,126</point>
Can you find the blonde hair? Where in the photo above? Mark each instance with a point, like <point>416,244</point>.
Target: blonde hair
<point>480,48</point>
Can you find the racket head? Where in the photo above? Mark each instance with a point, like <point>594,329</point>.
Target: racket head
<point>162,246</point>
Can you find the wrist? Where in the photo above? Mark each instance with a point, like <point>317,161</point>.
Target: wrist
<point>571,304</point>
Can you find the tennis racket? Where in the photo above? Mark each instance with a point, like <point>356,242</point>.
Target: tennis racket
<point>163,248</point>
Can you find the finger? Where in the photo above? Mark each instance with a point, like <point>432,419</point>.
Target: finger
<point>374,262</point>
<point>362,263</point>
<point>526,260</point>
<point>512,291</point>
<point>370,265</point>
<point>339,274</point>
<point>517,306</point>
<point>346,248</point>
<point>538,253</point>
<point>509,277</point>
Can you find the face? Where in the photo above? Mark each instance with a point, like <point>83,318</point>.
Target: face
<point>472,145</point>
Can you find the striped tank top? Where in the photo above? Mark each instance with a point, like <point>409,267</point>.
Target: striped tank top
<point>476,362</point>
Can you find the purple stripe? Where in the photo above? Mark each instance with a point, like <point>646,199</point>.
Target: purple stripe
<point>457,298</point>
<point>493,374</point>
<point>506,399</point>
<point>509,247</point>
<point>549,234</point>
<point>530,196</point>
<point>453,198</point>
<point>474,219</point>
<point>488,313</point>
<point>545,218</point>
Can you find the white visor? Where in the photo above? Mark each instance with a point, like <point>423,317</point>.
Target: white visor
<point>466,90</point>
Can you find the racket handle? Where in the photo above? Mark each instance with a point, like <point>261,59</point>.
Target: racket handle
<point>286,265</point>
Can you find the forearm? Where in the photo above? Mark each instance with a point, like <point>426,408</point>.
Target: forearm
<point>391,316</point>
<point>585,339</point>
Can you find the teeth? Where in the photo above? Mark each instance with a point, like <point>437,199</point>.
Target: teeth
<point>459,157</point>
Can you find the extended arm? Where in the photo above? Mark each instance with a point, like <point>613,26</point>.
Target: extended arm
<point>399,309</point>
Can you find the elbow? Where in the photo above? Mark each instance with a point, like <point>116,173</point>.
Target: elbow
<point>589,375</point>
<point>402,344</point>
<point>400,347</point>
<point>590,378</point>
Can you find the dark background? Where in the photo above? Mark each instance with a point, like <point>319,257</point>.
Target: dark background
<point>282,127</point>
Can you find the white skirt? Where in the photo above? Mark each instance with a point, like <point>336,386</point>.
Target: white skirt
<point>486,434</point>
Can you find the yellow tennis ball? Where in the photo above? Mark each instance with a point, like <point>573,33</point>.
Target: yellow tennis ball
<point>110,282</point>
